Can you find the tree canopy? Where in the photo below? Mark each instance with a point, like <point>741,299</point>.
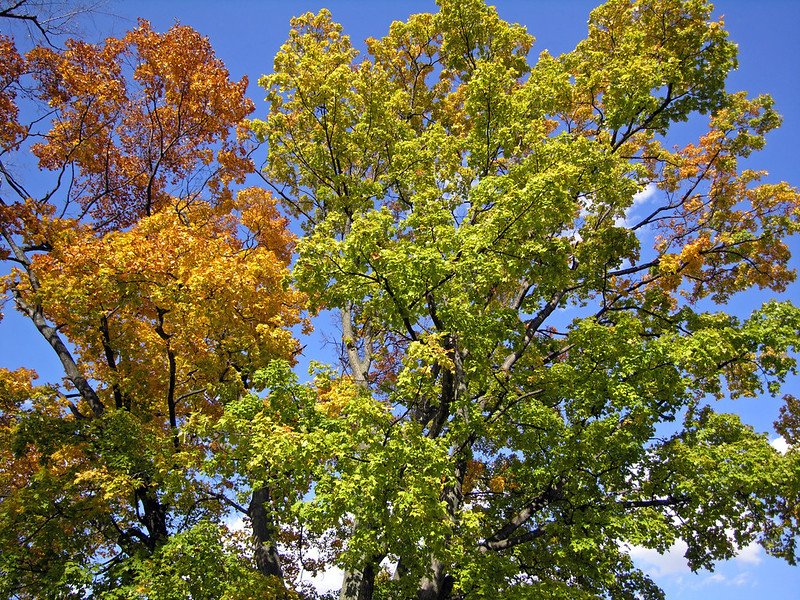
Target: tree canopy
<point>528,350</point>
<point>160,288</point>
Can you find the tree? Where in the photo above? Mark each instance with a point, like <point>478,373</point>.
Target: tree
<point>529,354</point>
<point>528,350</point>
<point>46,19</point>
<point>157,280</point>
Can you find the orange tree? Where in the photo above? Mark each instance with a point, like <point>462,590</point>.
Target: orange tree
<point>158,283</point>
<point>456,198</point>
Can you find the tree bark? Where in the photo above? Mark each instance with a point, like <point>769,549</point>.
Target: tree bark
<point>36,314</point>
<point>440,585</point>
<point>359,584</point>
<point>154,516</point>
<point>267,559</point>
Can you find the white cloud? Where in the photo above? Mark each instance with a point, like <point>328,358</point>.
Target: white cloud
<point>672,562</point>
<point>235,522</point>
<point>750,554</point>
<point>332,578</point>
<point>672,567</point>
<point>639,198</point>
<point>780,444</point>
<point>743,579</point>
<point>645,195</point>
<point>325,581</point>
<point>328,581</point>
<point>712,579</point>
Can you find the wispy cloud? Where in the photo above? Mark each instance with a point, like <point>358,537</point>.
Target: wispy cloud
<point>672,569</point>
<point>673,562</point>
<point>742,579</point>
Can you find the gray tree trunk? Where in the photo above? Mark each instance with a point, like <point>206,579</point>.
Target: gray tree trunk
<point>266,551</point>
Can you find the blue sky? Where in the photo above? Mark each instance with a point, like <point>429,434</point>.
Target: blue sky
<point>246,35</point>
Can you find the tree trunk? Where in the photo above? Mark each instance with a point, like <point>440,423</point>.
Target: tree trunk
<point>359,584</point>
<point>268,561</point>
<point>438,587</point>
<point>154,516</point>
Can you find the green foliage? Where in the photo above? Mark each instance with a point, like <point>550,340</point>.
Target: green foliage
<point>529,361</point>
<point>202,563</point>
<point>527,382</point>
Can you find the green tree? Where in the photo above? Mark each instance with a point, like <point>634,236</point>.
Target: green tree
<point>514,340</point>
<point>528,355</point>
